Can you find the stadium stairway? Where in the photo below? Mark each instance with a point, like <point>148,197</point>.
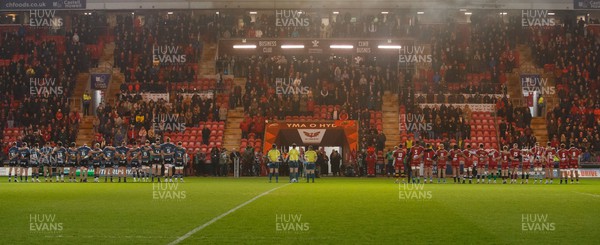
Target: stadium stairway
<point>207,64</point>
<point>85,134</point>
<point>233,133</point>
<point>527,66</point>
<point>391,120</point>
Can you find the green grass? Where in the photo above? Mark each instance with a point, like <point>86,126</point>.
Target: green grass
<point>335,211</point>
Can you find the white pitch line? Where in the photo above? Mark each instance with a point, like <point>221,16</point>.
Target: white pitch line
<point>199,228</point>
<point>588,194</point>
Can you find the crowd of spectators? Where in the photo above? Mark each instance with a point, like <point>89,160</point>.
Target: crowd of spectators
<point>134,119</point>
<point>280,86</point>
<point>572,51</point>
<point>137,41</point>
<point>37,80</point>
<point>469,62</point>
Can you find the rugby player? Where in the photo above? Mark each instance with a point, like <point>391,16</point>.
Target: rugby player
<point>399,158</point>
<point>550,158</point>
<point>156,157</point>
<point>108,153</point>
<point>563,155</point>
<point>72,162</point>
<point>538,160</point>
<point>145,152</point>
<point>455,156</point>
<point>442,160</point>
<point>60,156</point>
<point>97,155</point>
<point>34,162</point>
<point>468,164</point>
<point>416,160</point>
<point>504,165</point>
<point>24,152</point>
<point>181,159</point>
<point>122,154</point>
<point>13,158</point>
<point>84,162</point>
<point>167,150</point>
<point>515,158</point>
<point>527,158</point>
<point>574,154</point>
<point>47,163</point>
<point>134,163</point>
<point>482,161</point>
<point>428,158</point>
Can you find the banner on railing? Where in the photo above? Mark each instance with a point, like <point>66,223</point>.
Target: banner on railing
<point>100,80</point>
<point>473,107</point>
<point>586,4</point>
<point>155,96</point>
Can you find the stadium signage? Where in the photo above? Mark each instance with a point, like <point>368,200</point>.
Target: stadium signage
<point>473,107</point>
<point>167,54</point>
<point>589,173</point>
<point>293,18</point>
<point>100,80</point>
<point>44,18</point>
<point>311,136</point>
<point>586,4</point>
<point>267,46</point>
<point>363,47</point>
<point>39,86</point>
<point>414,54</point>
<point>286,86</point>
<point>43,4</point>
<point>536,18</point>
<point>311,125</point>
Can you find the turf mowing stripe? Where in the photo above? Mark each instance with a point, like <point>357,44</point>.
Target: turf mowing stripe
<point>199,228</point>
<point>587,194</point>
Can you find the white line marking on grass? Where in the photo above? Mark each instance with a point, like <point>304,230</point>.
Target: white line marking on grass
<point>587,194</point>
<point>199,228</point>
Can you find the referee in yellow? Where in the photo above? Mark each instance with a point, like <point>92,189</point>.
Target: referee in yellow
<point>294,160</point>
<point>273,156</point>
<point>311,158</point>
